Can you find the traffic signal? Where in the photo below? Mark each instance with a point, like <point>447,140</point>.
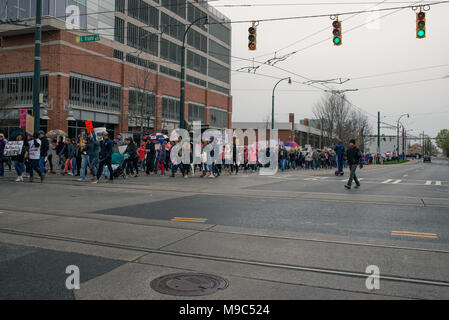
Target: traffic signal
<point>252,38</point>
<point>337,32</point>
<point>420,25</point>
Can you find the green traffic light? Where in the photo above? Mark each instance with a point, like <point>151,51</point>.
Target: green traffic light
<point>421,33</point>
<point>337,40</point>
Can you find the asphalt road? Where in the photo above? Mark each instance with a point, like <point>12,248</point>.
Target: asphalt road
<point>294,235</point>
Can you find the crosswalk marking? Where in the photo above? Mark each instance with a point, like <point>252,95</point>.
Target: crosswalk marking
<point>438,183</point>
<point>428,182</point>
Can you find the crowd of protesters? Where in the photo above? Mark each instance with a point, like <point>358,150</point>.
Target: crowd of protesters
<point>120,157</point>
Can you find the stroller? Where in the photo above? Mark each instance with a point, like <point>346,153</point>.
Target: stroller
<point>117,165</point>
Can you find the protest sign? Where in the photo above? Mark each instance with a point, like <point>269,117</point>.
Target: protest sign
<point>13,148</point>
<point>89,126</point>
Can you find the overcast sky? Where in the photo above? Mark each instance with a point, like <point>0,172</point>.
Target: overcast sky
<point>385,46</point>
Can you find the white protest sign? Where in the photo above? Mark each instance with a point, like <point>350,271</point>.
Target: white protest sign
<point>13,148</point>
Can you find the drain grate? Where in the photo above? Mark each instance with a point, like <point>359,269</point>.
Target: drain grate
<point>188,284</point>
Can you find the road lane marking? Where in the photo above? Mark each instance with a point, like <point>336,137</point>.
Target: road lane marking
<point>414,234</point>
<point>397,181</point>
<point>196,220</point>
<point>428,183</point>
<point>388,181</point>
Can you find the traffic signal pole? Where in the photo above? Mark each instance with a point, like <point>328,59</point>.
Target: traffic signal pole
<point>378,135</point>
<point>37,66</point>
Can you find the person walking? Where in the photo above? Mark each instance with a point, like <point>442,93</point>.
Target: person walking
<point>283,156</point>
<point>19,160</point>
<point>354,156</point>
<point>150,150</point>
<point>2,149</point>
<point>105,157</point>
<point>339,151</point>
<point>160,158</point>
<point>34,156</point>
<point>132,157</point>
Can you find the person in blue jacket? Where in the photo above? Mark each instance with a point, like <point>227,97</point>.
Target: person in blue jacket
<point>340,152</point>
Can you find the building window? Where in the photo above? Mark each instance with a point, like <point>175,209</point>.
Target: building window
<point>176,6</point>
<point>17,89</point>
<point>172,27</point>
<point>219,31</point>
<point>197,81</point>
<point>197,112</point>
<point>119,30</point>
<point>194,13</point>
<point>197,40</point>
<point>219,52</point>
<point>120,6</point>
<point>218,118</point>
<point>170,51</point>
<point>170,72</point>
<point>218,71</point>
<point>218,88</point>
<point>170,108</point>
<point>196,62</point>
<point>142,104</point>
<point>141,62</point>
<point>144,12</point>
<point>142,39</point>
<point>93,93</point>
<point>118,54</point>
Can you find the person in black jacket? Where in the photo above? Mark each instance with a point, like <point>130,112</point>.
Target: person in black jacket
<point>353,155</point>
<point>45,146</point>
<point>131,152</point>
<point>19,159</point>
<point>105,157</point>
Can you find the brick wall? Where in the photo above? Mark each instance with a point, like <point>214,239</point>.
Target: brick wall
<point>61,59</point>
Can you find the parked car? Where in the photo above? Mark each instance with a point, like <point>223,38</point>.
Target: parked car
<point>427,159</point>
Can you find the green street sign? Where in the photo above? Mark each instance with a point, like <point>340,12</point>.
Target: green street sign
<point>91,37</point>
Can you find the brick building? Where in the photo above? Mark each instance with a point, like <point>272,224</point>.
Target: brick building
<point>126,81</point>
<point>302,133</point>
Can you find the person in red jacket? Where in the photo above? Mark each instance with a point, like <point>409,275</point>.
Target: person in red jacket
<point>142,153</point>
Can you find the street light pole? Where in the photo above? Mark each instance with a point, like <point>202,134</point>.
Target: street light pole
<point>397,145</point>
<point>272,100</point>
<point>183,71</point>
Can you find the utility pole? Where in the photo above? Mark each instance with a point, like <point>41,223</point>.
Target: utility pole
<point>403,142</point>
<point>378,135</point>
<point>37,66</point>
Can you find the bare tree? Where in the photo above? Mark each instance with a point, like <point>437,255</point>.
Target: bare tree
<point>339,121</point>
<point>141,110</point>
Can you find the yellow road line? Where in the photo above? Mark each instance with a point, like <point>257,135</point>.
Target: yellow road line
<point>413,235</point>
<point>180,219</point>
<point>425,234</point>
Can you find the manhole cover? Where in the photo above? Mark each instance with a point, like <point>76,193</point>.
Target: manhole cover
<point>188,284</point>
